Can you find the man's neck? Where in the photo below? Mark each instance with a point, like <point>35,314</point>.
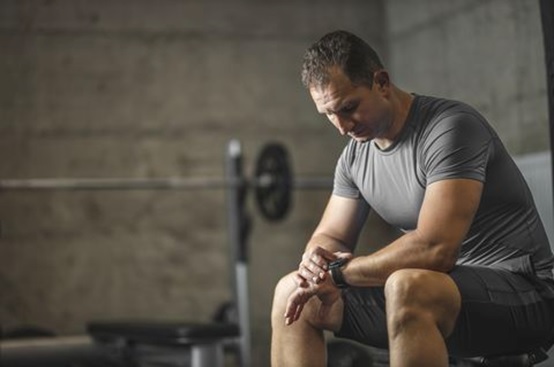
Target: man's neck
<point>401,102</point>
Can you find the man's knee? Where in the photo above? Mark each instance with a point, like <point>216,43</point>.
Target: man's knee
<point>283,289</point>
<point>317,316</point>
<point>409,285</point>
<point>416,294</point>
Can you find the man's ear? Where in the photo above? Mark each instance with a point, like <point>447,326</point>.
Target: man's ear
<point>381,78</point>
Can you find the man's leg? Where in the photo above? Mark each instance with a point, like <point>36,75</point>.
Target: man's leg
<point>502,312</point>
<point>422,308</point>
<point>301,344</point>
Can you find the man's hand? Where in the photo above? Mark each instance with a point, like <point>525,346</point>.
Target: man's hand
<point>313,267</point>
<point>321,285</point>
<point>326,291</point>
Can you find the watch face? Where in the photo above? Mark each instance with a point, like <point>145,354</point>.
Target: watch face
<point>337,263</point>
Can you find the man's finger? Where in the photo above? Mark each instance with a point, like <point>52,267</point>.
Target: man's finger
<point>292,303</point>
<point>301,282</point>
<point>295,304</point>
<point>298,311</point>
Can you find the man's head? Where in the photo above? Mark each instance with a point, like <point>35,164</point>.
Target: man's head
<point>344,50</point>
<point>349,85</point>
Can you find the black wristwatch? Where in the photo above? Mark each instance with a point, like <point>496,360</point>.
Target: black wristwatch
<point>336,272</point>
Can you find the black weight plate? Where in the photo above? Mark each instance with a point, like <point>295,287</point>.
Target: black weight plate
<point>273,199</point>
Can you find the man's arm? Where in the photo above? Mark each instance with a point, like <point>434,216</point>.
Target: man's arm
<point>446,214</point>
<point>338,231</point>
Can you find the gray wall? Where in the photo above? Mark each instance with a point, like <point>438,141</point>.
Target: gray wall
<point>152,89</point>
<point>488,53</point>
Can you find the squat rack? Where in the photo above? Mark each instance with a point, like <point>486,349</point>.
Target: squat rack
<point>202,344</point>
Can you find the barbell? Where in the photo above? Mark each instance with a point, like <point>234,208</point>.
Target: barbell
<point>273,182</point>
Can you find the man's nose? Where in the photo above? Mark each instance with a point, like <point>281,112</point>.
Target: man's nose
<point>344,125</point>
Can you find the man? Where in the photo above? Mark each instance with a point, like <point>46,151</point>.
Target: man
<point>472,273</point>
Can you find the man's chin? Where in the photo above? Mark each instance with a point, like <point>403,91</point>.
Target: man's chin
<point>360,139</point>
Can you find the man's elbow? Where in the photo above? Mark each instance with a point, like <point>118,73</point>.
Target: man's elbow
<point>443,258</point>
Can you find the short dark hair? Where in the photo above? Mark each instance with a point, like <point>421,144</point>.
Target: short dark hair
<point>343,49</point>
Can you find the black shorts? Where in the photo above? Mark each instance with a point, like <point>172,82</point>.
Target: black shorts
<point>502,312</point>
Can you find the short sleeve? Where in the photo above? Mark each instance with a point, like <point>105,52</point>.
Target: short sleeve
<point>456,146</point>
<point>343,184</point>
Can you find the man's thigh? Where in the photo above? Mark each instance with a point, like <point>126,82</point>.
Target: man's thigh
<point>364,318</point>
<point>502,312</point>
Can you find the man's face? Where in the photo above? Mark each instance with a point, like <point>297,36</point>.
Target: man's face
<point>361,112</point>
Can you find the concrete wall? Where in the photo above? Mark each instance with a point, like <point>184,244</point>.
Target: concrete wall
<point>152,89</point>
<point>488,53</point>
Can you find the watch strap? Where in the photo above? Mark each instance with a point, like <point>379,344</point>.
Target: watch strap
<point>336,272</point>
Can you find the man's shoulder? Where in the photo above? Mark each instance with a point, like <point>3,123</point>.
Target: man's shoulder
<point>435,113</point>
<point>438,107</point>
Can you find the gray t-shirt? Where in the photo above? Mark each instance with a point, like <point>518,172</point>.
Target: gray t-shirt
<point>445,139</point>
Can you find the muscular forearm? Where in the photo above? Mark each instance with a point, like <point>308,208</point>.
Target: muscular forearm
<point>408,251</point>
<point>445,217</point>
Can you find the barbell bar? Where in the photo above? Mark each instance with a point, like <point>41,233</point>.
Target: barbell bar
<point>273,181</point>
<point>162,183</point>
